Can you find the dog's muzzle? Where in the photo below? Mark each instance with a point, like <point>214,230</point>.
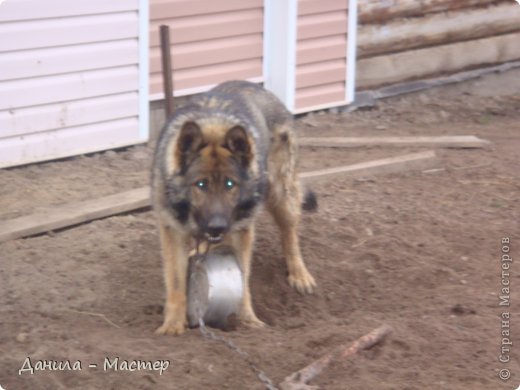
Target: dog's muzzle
<point>217,227</point>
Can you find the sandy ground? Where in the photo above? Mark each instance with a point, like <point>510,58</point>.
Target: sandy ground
<point>420,251</point>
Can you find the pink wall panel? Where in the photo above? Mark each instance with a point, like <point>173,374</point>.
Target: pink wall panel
<point>203,27</point>
<point>321,95</point>
<point>160,9</point>
<point>306,7</point>
<point>40,118</point>
<point>70,86</point>
<point>212,41</point>
<point>216,51</point>
<point>68,142</point>
<point>69,78</point>
<point>197,79</point>
<point>319,73</point>
<point>321,49</point>
<point>321,53</point>
<point>32,34</point>
<point>67,59</point>
<point>33,10</point>
<point>322,24</point>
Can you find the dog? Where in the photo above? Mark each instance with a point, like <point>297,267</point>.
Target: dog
<point>218,159</point>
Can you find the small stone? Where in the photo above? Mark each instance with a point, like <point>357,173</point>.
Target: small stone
<point>381,127</point>
<point>444,115</point>
<point>424,98</point>
<point>110,154</point>
<point>459,309</point>
<point>139,155</point>
<point>22,337</point>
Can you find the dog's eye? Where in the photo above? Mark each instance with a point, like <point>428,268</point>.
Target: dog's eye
<point>229,184</point>
<point>202,184</point>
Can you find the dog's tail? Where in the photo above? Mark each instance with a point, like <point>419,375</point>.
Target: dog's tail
<point>310,201</point>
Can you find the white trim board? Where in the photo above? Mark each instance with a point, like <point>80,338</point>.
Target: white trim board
<point>350,88</point>
<point>280,49</point>
<point>144,73</point>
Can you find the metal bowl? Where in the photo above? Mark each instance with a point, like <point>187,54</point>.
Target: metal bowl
<point>215,288</point>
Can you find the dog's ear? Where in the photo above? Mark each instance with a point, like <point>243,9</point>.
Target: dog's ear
<point>188,142</point>
<point>238,142</point>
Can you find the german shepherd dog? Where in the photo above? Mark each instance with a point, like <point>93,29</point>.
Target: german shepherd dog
<point>217,159</point>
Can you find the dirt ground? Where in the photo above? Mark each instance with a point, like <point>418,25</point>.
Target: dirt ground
<point>419,251</point>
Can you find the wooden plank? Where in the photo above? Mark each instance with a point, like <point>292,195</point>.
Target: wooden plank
<point>448,141</point>
<point>79,212</point>
<point>434,61</point>
<point>377,11</point>
<point>74,213</point>
<point>436,29</point>
<point>412,161</point>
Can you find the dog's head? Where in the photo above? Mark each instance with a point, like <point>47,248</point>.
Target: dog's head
<point>215,172</point>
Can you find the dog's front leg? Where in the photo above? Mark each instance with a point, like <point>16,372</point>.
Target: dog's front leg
<point>243,243</point>
<point>175,262</point>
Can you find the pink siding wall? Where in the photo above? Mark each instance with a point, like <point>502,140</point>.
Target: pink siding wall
<point>212,41</point>
<point>321,52</point>
<point>68,78</point>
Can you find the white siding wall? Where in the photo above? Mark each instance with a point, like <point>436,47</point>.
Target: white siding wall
<point>69,78</point>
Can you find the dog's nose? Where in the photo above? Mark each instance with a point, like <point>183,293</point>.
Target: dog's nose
<point>217,225</point>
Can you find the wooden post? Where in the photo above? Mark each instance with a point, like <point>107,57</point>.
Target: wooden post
<point>166,58</point>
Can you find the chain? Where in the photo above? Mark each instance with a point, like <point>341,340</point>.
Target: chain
<point>210,335</point>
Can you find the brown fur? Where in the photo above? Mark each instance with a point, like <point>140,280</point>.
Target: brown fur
<point>217,159</point>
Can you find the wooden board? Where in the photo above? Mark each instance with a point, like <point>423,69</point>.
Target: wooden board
<point>434,61</point>
<point>74,213</point>
<point>437,29</point>
<point>412,161</point>
<point>79,212</point>
<point>451,141</point>
<point>377,11</point>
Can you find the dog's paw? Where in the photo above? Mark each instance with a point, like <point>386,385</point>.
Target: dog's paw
<point>303,282</point>
<point>171,327</point>
<point>252,321</point>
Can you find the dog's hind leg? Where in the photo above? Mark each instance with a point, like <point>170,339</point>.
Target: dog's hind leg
<point>242,241</point>
<point>175,262</point>
<point>287,220</point>
<point>284,203</point>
